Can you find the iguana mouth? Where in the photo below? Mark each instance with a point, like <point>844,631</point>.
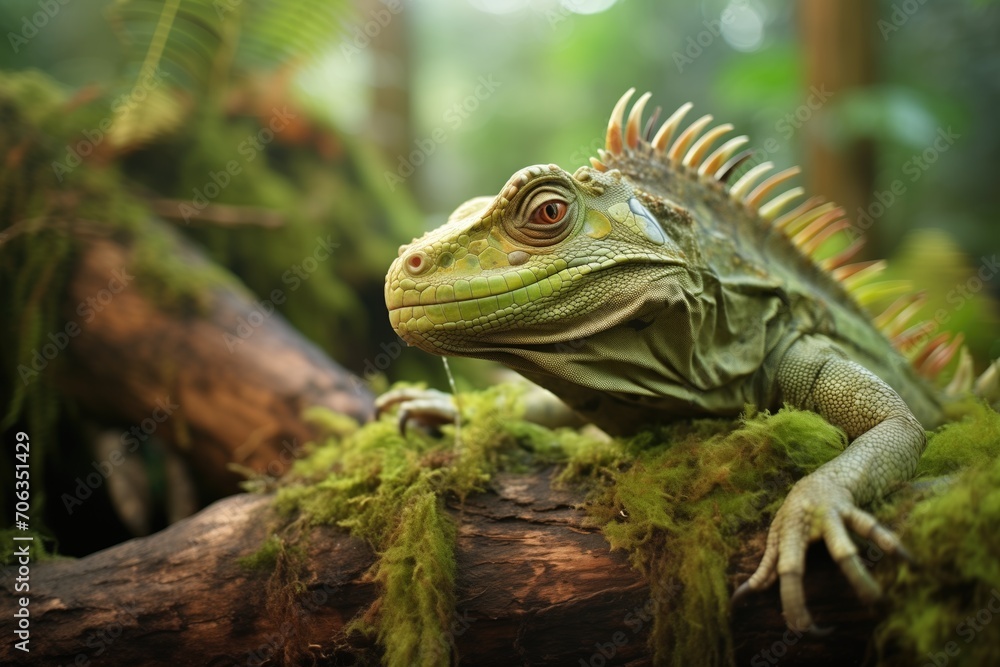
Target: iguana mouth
<point>521,287</point>
<point>465,311</point>
<point>476,302</point>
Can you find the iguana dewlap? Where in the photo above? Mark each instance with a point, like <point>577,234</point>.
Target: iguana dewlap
<point>647,287</point>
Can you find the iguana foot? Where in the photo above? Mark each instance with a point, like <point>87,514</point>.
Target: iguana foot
<point>429,408</point>
<point>817,506</point>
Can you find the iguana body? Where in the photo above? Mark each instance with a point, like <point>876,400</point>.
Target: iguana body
<point>645,288</point>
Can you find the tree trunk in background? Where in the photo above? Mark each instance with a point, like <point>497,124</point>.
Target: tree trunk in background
<point>391,116</point>
<point>535,586</point>
<point>839,54</point>
<point>224,384</point>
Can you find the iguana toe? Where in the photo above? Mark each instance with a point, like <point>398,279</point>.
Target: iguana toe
<point>817,507</point>
<point>861,580</point>
<point>793,603</point>
<point>429,408</point>
<point>868,527</point>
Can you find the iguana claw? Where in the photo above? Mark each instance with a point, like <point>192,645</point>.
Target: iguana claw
<point>429,408</point>
<point>817,507</point>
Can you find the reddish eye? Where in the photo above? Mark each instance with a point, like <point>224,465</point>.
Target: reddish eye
<point>547,216</point>
<point>550,212</point>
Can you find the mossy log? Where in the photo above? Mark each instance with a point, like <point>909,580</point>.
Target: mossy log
<point>535,586</point>
<point>236,373</point>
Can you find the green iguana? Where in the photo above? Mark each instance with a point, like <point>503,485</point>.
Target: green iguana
<point>645,287</point>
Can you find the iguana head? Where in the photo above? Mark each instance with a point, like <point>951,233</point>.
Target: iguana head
<point>531,265</point>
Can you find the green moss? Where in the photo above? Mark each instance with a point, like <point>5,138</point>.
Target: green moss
<point>951,528</point>
<point>973,442</point>
<point>677,500</point>
<point>39,547</point>
<point>686,490</point>
<point>35,263</point>
<point>332,423</point>
<point>266,557</point>
<point>417,574</point>
<point>390,491</point>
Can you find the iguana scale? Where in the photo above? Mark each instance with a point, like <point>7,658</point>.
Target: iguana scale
<point>646,287</point>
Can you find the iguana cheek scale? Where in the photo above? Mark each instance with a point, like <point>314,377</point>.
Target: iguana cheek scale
<point>646,287</point>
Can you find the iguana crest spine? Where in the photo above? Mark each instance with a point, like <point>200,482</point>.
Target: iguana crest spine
<point>808,226</point>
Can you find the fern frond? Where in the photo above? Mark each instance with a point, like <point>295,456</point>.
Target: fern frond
<point>183,50</point>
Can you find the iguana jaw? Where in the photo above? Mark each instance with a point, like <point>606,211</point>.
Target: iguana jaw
<point>462,325</point>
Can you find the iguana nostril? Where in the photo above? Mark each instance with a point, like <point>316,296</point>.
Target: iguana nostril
<point>416,263</point>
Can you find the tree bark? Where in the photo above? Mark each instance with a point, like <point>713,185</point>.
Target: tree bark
<point>535,586</point>
<point>840,57</point>
<point>238,375</point>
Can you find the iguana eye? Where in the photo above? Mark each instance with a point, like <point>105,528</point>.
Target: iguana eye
<point>544,215</point>
<point>550,213</point>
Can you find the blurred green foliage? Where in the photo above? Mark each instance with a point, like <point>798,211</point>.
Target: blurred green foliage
<point>404,110</point>
<point>555,68</point>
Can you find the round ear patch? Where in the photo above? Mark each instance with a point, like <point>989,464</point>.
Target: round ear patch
<point>646,222</point>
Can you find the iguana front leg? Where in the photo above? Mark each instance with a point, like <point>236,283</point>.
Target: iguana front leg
<point>887,442</point>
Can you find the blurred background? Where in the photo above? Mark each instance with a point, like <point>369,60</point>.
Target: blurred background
<point>255,128</point>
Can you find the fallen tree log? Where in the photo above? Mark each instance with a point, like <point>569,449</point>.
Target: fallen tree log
<point>535,586</point>
<point>232,376</point>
